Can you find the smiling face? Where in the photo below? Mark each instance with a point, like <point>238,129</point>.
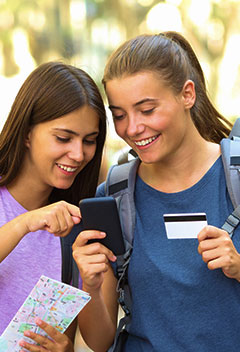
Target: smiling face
<point>59,149</point>
<point>154,121</point>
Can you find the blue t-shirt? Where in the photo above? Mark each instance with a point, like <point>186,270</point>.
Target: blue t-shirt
<point>179,305</point>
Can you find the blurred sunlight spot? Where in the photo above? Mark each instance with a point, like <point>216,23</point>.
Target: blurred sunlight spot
<point>215,35</point>
<point>22,54</point>
<point>37,20</point>
<point>129,2</point>
<point>145,2</point>
<point>229,76</point>
<point>11,85</point>
<point>199,12</point>
<point>6,19</point>
<point>164,17</point>
<point>9,89</point>
<point>1,57</point>
<point>174,2</point>
<point>109,34</point>
<point>78,13</point>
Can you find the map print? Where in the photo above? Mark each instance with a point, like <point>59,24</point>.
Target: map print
<point>52,301</point>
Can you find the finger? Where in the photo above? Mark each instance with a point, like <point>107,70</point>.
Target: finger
<point>207,244</point>
<point>210,232</point>
<point>51,223</point>
<point>76,219</point>
<point>92,249</point>
<point>65,222</point>
<point>219,263</point>
<point>71,215</point>
<point>211,255</point>
<point>31,347</point>
<point>50,330</point>
<point>87,235</point>
<point>94,269</point>
<point>95,259</point>
<point>224,241</point>
<point>61,218</point>
<point>74,211</point>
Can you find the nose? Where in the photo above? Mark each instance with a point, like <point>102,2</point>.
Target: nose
<point>135,125</point>
<point>76,152</point>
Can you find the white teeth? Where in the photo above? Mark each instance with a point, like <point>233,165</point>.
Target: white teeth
<point>145,141</point>
<point>67,168</point>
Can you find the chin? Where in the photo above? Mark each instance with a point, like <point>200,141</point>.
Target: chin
<point>63,185</point>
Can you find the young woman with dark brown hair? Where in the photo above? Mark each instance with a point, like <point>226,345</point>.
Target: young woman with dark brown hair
<point>185,292</point>
<point>50,154</point>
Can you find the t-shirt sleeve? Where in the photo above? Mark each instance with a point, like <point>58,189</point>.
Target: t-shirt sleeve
<point>101,190</point>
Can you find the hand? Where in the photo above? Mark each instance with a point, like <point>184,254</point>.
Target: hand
<point>92,259</point>
<point>57,218</point>
<point>58,343</point>
<point>218,251</point>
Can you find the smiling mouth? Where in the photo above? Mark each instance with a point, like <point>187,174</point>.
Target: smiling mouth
<point>146,141</point>
<point>67,168</point>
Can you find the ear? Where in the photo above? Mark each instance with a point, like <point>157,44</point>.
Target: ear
<point>189,94</point>
<point>27,141</point>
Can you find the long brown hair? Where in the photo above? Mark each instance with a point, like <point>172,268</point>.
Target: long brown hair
<point>52,90</point>
<point>170,56</point>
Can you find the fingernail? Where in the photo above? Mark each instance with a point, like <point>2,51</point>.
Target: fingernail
<point>22,343</point>
<point>27,333</point>
<point>38,321</point>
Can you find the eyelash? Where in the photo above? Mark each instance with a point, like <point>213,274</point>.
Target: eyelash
<point>89,142</point>
<point>148,112</point>
<point>66,140</point>
<point>117,117</point>
<point>144,112</point>
<point>62,139</point>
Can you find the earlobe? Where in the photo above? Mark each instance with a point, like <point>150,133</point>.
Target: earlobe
<point>189,94</point>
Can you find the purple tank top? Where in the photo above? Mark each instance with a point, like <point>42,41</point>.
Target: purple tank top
<point>38,253</point>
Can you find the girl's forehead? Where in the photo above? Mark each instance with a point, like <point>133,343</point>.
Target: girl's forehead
<point>135,87</point>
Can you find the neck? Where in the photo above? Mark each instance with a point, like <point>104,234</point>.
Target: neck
<point>30,195</point>
<point>183,170</point>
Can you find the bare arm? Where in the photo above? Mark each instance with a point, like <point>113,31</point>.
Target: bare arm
<point>57,218</point>
<point>98,319</point>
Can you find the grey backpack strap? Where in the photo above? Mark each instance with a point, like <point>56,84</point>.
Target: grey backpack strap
<point>230,148</point>
<point>120,184</point>
<point>232,221</point>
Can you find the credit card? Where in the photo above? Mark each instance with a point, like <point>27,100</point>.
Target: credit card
<point>185,225</point>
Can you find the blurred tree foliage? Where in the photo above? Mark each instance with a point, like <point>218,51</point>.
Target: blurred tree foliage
<point>51,32</point>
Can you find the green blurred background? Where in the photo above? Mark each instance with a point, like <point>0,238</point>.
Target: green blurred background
<point>84,33</point>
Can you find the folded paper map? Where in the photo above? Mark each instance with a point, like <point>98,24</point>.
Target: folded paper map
<point>52,301</point>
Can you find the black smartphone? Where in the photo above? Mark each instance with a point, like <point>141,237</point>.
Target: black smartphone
<point>101,214</point>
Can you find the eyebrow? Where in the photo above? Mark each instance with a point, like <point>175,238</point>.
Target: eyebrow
<point>146,100</point>
<point>74,133</point>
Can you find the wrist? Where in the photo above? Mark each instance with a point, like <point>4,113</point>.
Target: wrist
<point>20,225</point>
<point>93,292</point>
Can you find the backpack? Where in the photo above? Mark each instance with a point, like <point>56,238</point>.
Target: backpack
<point>120,184</point>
